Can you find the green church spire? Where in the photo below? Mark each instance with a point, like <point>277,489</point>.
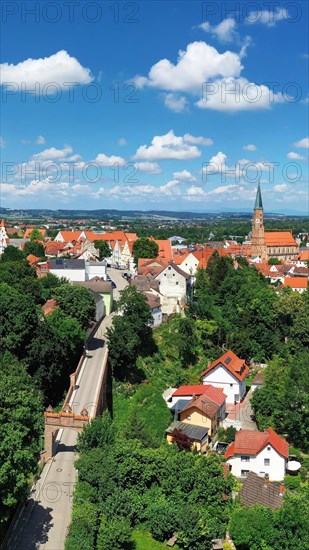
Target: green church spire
<point>258,201</point>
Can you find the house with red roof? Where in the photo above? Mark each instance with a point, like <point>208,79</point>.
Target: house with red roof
<point>297,284</point>
<point>259,452</point>
<point>229,373</point>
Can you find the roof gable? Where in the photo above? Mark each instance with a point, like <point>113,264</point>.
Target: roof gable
<point>252,442</point>
<point>229,361</point>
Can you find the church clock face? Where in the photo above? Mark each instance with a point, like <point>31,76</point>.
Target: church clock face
<point>257,220</point>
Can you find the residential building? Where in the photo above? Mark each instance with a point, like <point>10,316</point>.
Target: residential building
<point>259,452</point>
<point>297,284</point>
<point>198,435</point>
<point>103,288</point>
<point>184,394</point>
<point>229,372</point>
<point>95,269</point>
<point>204,411</point>
<point>173,288</point>
<point>154,303</point>
<point>259,490</point>
<point>257,381</point>
<point>71,269</point>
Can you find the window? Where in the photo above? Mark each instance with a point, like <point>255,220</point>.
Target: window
<point>244,473</point>
<point>268,447</point>
<point>176,282</point>
<point>266,461</point>
<point>245,458</point>
<point>188,417</point>
<point>169,267</point>
<point>231,385</point>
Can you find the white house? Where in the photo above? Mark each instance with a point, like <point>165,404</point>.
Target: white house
<point>173,284</point>
<point>155,306</point>
<point>259,452</point>
<point>229,372</point>
<point>71,269</point>
<point>297,284</point>
<point>95,269</point>
<point>190,264</point>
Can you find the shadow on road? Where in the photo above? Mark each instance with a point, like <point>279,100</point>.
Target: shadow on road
<point>30,539</point>
<point>95,343</point>
<point>62,448</point>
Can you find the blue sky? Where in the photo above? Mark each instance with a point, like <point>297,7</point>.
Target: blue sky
<point>154,105</point>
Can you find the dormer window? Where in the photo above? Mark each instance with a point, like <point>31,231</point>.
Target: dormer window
<point>268,447</point>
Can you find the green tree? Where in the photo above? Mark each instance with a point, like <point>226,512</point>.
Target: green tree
<point>48,283</point>
<point>36,235</point>
<point>103,248</point>
<point>100,433</point>
<point>274,261</point>
<point>252,528</point>
<point>187,341</point>
<point>22,277</point>
<point>144,248</point>
<point>77,302</point>
<point>12,254</point>
<point>180,439</point>
<point>130,333</point>
<point>19,319</point>
<point>218,268</point>
<point>114,533</point>
<point>34,247</point>
<point>21,424</point>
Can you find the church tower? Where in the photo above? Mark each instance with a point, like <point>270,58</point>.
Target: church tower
<point>258,248</point>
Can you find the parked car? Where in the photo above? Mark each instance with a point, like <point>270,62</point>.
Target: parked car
<point>113,284</point>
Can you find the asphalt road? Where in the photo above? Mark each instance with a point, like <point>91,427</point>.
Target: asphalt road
<point>119,280</point>
<point>46,517</point>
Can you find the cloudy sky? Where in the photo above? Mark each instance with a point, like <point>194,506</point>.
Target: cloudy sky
<point>154,105</point>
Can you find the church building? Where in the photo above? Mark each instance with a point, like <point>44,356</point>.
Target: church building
<point>4,240</point>
<point>270,244</point>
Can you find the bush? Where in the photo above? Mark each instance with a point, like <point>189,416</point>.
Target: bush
<point>292,482</point>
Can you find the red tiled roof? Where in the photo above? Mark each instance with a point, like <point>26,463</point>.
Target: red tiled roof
<point>30,229</point>
<point>49,307</point>
<point>204,254</point>
<point>296,282</point>
<point>279,238</point>
<point>53,247</point>
<point>203,404</point>
<point>32,259</point>
<point>215,394</point>
<point>152,299</point>
<point>252,442</point>
<point>232,363</point>
<point>70,236</point>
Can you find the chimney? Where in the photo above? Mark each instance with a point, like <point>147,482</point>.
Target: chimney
<point>281,489</point>
<point>266,480</point>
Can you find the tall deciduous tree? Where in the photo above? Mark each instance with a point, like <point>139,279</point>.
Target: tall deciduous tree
<point>130,333</point>
<point>77,302</point>
<point>144,248</point>
<point>36,235</point>
<point>103,248</point>
<point>19,320</point>
<point>21,423</point>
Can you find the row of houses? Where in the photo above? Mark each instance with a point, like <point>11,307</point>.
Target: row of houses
<point>200,409</point>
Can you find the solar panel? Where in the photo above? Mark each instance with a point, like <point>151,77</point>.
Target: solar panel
<point>228,360</point>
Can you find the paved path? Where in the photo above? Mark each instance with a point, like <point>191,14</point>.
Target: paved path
<point>44,521</point>
<point>243,413</point>
<point>119,280</point>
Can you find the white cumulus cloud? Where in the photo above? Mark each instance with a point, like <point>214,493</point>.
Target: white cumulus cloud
<point>295,156</point>
<point>175,102</point>
<point>224,31</point>
<point>184,175</point>
<point>167,146</point>
<point>104,160</point>
<point>267,17</point>
<point>250,147</point>
<point>149,167</point>
<point>60,68</point>
<point>197,64</point>
<point>302,143</point>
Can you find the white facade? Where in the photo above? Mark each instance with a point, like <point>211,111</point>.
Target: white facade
<point>190,264</point>
<point>3,238</point>
<point>173,290</point>
<point>71,274</point>
<point>221,377</point>
<point>268,461</point>
<point>95,269</point>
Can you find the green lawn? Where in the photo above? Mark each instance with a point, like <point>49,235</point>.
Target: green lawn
<point>144,541</point>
